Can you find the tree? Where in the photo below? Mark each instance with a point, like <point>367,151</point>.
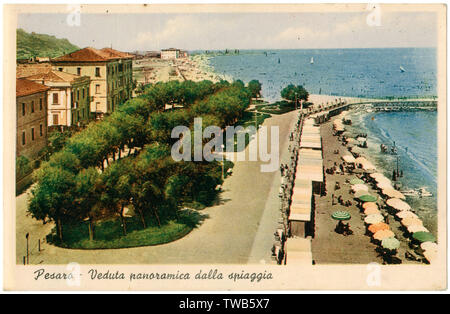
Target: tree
<point>291,92</point>
<point>254,87</point>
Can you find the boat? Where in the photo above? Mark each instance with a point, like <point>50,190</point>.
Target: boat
<point>410,192</point>
<point>423,192</point>
<point>312,60</point>
<point>402,69</point>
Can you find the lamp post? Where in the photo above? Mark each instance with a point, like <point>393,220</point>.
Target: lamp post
<point>27,237</point>
<point>223,156</point>
<point>295,101</point>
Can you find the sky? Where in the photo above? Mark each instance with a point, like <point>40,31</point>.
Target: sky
<point>218,31</point>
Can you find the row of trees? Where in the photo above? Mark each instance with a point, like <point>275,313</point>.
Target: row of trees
<point>125,159</point>
<point>293,92</point>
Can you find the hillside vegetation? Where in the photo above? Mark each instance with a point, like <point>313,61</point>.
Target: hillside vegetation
<point>41,45</point>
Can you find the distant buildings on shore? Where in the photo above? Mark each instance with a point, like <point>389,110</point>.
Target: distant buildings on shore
<point>173,53</point>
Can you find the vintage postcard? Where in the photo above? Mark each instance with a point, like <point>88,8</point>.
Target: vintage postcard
<point>225,147</point>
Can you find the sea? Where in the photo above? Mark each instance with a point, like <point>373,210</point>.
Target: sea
<point>366,73</point>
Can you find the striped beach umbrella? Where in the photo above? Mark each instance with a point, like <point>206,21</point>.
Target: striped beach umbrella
<point>422,236</point>
<point>341,215</point>
<point>368,198</point>
<point>390,243</point>
<point>378,226</point>
<point>373,219</point>
<point>429,246</point>
<point>383,234</point>
<point>356,181</point>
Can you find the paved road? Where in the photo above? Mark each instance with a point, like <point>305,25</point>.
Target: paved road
<point>247,211</point>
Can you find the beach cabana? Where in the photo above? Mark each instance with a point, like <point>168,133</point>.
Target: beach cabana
<point>298,251</point>
<point>301,207</point>
<point>398,204</point>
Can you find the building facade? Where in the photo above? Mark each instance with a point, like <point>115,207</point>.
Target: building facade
<point>31,118</point>
<point>68,98</point>
<point>110,72</point>
<point>171,53</point>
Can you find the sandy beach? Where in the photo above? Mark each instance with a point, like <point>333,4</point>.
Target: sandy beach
<point>329,247</point>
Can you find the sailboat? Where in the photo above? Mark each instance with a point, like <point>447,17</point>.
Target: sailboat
<point>402,69</point>
<point>312,60</point>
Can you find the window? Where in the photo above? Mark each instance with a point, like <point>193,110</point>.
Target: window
<point>23,109</point>
<point>78,71</point>
<point>55,98</point>
<point>32,134</point>
<point>60,69</point>
<point>84,93</point>
<point>32,106</point>
<point>97,89</point>
<point>41,131</point>
<point>72,100</point>
<point>78,94</point>
<point>97,72</point>
<point>23,138</point>
<point>40,104</point>
<point>55,119</point>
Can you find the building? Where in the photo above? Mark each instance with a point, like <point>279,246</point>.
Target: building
<point>68,97</point>
<point>31,118</point>
<point>171,53</point>
<point>110,72</point>
<point>28,69</point>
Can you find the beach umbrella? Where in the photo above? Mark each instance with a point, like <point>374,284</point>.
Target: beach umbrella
<point>361,193</point>
<point>368,166</point>
<point>371,211</point>
<point>356,181</point>
<point>406,214</point>
<point>390,243</point>
<point>429,246</point>
<point>376,175</point>
<point>360,160</point>
<point>383,234</point>
<point>341,215</point>
<point>417,228</point>
<point>393,193</point>
<point>359,187</point>
<point>382,178</point>
<point>430,255</point>
<point>348,158</point>
<point>368,198</point>
<point>423,236</point>
<point>398,204</point>
<point>373,219</point>
<point>411,221</point>
<point>379,226</point>
<point>384,185</point>
<point>368,205</point>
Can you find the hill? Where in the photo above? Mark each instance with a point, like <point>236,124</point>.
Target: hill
<point>41,45</point>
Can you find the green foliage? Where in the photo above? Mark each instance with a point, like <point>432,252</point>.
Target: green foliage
<point>40,45</point>
<point>291,92</point>
<point>23,166</point>
<point>254,87</point>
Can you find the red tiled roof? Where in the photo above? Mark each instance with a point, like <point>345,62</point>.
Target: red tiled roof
<point>115,53</point>
<point>88,54</point>
<point>26,87</point>
<point>54,76</point>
